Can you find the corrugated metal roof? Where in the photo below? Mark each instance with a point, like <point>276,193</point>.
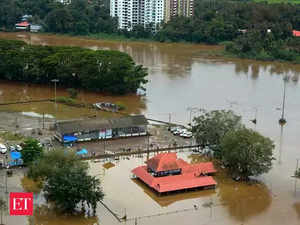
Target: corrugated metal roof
<point>88,125</point>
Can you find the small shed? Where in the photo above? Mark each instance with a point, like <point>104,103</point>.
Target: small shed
<point>23,26</point>
<point>35,28</point>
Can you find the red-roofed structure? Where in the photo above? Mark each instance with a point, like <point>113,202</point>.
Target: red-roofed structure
<point>296,33</point>
<point>23,25</point>
<point>165,173</point>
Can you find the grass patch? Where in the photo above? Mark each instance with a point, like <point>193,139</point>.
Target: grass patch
<point>69,101</point>
<point>9,136</point>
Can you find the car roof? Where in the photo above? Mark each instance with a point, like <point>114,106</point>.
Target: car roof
<point>2,145</point>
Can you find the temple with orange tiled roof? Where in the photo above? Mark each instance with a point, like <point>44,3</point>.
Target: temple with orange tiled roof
<point>166,173</point>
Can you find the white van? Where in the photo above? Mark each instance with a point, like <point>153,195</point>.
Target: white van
<point>3,148</point>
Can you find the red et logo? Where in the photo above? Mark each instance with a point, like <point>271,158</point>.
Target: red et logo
<point>20,204</point>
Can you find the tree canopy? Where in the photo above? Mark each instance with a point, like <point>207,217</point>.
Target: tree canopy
<point>211,126</point>
<point>31,151</point>
<point>66,181</point>
<point>247,153</point>
<point>102,70</point>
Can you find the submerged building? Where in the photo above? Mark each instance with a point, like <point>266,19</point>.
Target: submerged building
<point>166,173</point>
<point>95,129</point>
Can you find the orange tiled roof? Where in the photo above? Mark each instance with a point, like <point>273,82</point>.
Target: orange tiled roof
<point>192,175</point>
<point>296,33</point>
<point>163,162</point>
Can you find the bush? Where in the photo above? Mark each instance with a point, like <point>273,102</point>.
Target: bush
<point>120,106</point>
<point>72,92</point>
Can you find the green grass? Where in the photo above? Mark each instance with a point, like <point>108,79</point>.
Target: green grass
<point>8,136</point>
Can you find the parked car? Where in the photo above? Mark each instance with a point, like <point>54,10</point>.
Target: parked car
<point>3,148</point>
<point>12,148</point>
<point>172,129</point>
<point>186,134</point>
<point>180,131</point>
<point>19,148</point>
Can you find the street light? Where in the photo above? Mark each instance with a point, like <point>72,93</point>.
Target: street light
<point>282,120</point>
<point>55,81</point>
<point>192,110</point>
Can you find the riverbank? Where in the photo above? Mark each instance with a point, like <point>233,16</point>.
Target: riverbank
<point>217,51</point>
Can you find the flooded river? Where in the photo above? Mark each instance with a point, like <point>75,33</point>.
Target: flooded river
<point>181,77</point>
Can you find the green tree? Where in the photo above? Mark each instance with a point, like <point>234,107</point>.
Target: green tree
<point>53,161</point>
<point>66,181</point>
<point>72,92</point>
<point>247,153</point>
<point>3,208</point>
<point>59,20</point>
<point>210,127</point>
<point>31,151</point>
<point>68,187</point>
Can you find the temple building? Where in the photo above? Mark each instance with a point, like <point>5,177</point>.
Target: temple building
<point>166,173</point>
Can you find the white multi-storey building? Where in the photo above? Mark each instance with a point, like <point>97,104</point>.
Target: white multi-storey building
<point>154,12</point>
<point>133,12</point>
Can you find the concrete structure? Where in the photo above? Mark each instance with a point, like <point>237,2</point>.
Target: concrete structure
<point>35,28</point>
<point>178,8</point>
<point>94,129</point>
<point>133,12</point>
<point>165,173</point>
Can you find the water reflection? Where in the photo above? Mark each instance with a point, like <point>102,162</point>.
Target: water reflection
<point>297,208</point>
<point>255,68</point>
<point>280,143</point>
<point>43,215</point>
<point>242,200</point>
<point>169,199</point>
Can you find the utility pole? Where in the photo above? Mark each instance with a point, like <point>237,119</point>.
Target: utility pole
<point>55,81</point>
<point>192,110</point>
<point>43,120</point>
<point>282,120</point>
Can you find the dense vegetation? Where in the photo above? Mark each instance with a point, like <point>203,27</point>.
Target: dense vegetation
<point>242,151</point>
<point>246,153</point>
<point>31,151</point>
<point>65,181</point>
<point>108,71</point>
<point>213,22</point>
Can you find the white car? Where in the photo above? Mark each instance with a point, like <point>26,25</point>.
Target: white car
<point>186,134</point>
<point>3,148</point>
<point>172,129</point>
<point>18,148</point>
<point>178,131</point>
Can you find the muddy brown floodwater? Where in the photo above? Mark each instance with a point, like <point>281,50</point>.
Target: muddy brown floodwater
<point>181,77</point>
